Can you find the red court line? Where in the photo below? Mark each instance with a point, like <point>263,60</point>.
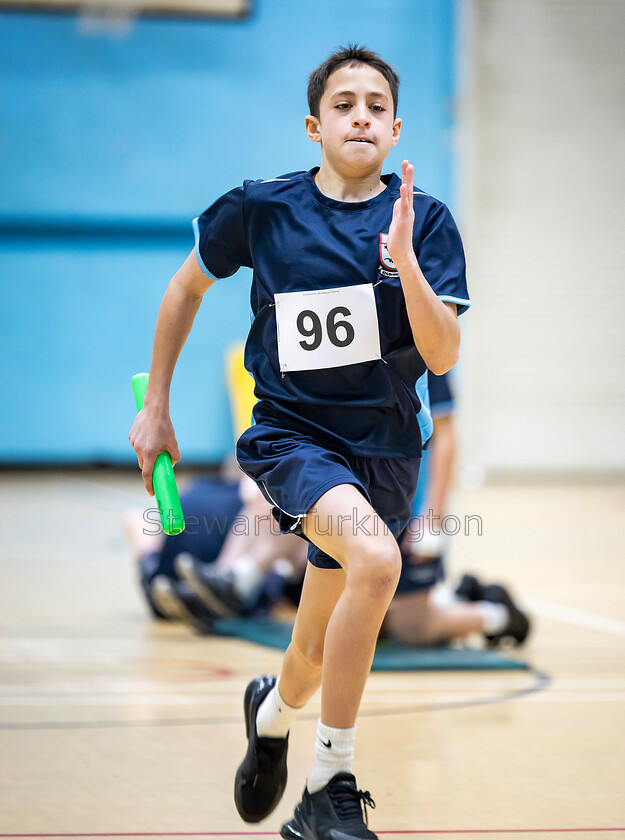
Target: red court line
<point>273,833</point>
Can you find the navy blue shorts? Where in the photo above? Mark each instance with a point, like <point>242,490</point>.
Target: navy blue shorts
<point>441,396</point>
<point>293,471</point>
<point>416,577</point>
<point>210,506</point>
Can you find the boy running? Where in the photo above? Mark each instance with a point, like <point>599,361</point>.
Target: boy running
<point>358,279</point>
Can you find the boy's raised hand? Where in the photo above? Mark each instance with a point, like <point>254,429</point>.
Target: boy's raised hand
<point>151,434</point>
<point>399,242</point>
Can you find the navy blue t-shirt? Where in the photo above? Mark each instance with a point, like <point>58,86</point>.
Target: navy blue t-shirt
<point>296,239</point>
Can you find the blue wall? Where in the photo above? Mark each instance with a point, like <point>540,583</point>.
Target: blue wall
<point>110,144</point>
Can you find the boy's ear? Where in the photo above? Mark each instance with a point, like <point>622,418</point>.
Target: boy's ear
<point>396,131</point>
<point>313,129</point>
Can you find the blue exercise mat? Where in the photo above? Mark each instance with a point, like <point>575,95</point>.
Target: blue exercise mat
<point>389,656</point>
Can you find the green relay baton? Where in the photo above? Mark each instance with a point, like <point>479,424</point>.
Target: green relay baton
<point>163,478</point>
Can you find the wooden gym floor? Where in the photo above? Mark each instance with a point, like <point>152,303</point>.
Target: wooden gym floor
<point>112,725</point>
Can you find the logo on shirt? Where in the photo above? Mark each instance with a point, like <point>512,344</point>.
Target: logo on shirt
<point>387,267</point>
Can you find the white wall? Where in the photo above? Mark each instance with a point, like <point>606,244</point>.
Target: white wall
<point>543,151</point>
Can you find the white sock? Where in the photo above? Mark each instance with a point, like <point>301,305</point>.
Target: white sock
<point>274,716</point>
<point>334,753</point>
<point>425,543</point>
<point>496,617</point>
<point>442,595</point>
<point>247,578</point>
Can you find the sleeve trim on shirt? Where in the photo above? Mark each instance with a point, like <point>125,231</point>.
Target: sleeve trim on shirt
<point>196,233</point>
<point>442,409</point>
<point>463,302</point>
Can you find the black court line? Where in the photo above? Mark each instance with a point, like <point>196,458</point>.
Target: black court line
<point>542,681</point>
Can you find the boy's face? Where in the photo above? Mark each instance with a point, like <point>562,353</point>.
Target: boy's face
<point>356,127</point>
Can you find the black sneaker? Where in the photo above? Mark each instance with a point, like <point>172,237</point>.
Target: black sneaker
<point>214,587</point>
<point>470,589</point>
<point>261,778</point>
<point>174,600</point>
<point>518,627</point>
<point>333,813</point>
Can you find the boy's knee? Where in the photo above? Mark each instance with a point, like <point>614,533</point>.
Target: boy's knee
<point>377,567</point>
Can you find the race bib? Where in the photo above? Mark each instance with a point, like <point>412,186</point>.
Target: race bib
<point>327,328</point>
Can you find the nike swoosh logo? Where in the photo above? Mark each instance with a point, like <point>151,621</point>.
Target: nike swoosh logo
<point>327,744</point>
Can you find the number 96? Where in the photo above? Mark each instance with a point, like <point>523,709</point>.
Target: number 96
<point>309,325</point>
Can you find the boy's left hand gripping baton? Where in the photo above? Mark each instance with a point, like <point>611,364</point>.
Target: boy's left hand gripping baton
<point>163,479</point>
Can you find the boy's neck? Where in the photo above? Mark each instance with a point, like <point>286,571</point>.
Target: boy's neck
<point>341,188</point>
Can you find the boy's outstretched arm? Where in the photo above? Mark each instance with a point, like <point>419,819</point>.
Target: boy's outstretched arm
<point>434,323</point>
<point>153,432</point>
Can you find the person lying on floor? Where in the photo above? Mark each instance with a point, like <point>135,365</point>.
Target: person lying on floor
<point>232,559</point>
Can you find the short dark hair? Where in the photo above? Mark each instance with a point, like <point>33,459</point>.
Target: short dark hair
<point>349,55</point>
